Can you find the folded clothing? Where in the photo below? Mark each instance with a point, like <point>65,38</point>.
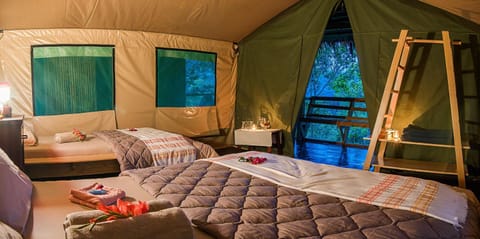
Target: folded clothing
<point>85,196</point>
<point>171,223</point>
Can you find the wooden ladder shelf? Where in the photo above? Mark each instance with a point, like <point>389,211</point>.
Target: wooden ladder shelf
<point>388,105</point>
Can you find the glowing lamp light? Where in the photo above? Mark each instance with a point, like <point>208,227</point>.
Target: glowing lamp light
<point>4,98</point>
<point>4,92</point>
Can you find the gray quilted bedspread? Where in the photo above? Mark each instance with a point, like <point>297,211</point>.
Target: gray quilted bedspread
<point>130,151</point>
<point>227,203</point>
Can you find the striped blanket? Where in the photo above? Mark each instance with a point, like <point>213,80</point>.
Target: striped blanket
<point>166,148</point>
<point>418,195</point>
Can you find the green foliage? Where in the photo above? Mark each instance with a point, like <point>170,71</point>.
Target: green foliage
<point>200,83</point>
<point>335,73</point>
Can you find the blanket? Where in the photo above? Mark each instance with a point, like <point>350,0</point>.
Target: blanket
<point>243,203</point>
<point>386,190</point>
<point>145,147</point>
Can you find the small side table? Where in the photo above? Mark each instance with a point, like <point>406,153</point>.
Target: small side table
<point>11,140</point>
<point>260,137</point>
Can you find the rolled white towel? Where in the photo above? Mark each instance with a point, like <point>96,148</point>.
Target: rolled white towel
<point>65,137</point>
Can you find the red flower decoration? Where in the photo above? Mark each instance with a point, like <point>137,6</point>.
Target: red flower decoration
<point>122,209</point>
<point>253,160</point>
<point>81,136</point>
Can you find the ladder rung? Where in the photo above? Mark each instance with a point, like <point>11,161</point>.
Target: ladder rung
<point>411,40</point>
<point>401,68</point>
<point>395,91</point>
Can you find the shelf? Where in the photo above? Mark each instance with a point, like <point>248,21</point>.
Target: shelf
<point>418,166</point>
<point>387,109</point>
<point>464,146</point>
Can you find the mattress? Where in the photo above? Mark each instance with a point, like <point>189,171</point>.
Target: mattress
<point>50,204</point>
<point>247,201</point>
<point>47,148</point>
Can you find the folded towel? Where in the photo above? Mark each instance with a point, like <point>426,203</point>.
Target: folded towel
<point>83,217</point>
<point>171,223</point>
<point>65,137</point>
<point>419,134</point>
<point>84,197</point>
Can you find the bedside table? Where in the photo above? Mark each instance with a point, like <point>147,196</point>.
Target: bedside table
<point>11,140</point>
<point>261,138</point>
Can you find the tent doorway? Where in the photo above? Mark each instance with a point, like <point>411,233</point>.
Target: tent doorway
<point>333,116</point>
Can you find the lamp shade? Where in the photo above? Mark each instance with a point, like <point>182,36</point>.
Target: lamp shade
<point>4,92</point>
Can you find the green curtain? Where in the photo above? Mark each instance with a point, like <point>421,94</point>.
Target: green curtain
<point>424,96</point>
<point>72,84</point>
<point>275,63</point>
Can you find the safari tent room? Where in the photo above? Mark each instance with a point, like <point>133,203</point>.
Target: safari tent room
<point>263,58</point>
<point>264,55</point>
<point>199,68</point>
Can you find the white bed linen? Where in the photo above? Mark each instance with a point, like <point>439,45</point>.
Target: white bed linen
<point>408,193</point>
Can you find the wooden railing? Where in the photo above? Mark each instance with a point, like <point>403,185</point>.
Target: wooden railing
<point>344,112</point>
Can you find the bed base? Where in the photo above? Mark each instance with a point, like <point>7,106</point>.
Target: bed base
<point>71,166</point>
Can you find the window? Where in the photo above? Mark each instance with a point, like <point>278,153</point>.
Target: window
<point>72,79</point>
<point>185,78</point>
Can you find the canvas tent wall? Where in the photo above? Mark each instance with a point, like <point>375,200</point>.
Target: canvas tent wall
<point>135,29</point>
<point>275,63</point>
<point>135,78</point>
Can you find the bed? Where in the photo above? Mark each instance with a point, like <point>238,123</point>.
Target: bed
<point>225,198</point>
<point>108,152</point>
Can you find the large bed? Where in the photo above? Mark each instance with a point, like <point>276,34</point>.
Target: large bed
<point>279,198</point>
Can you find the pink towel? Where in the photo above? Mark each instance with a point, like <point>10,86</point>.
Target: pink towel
<point>84,197</point>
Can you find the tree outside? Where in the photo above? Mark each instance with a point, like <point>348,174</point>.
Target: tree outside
<point>335,73</point>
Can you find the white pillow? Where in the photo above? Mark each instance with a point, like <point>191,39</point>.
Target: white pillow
<point>15,194</point>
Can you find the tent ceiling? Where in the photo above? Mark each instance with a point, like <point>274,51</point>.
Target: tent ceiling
<point>228,20</point>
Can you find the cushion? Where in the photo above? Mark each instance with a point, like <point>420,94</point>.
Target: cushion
<point>16,194</point>
<point>7,232</point>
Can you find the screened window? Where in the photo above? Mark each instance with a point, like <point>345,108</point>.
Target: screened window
<point>72,79</point>
<point>185,78</point>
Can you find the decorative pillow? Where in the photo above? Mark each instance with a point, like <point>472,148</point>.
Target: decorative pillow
<point>8,232</point>
<point>15,194</point>
<point>31,139</point>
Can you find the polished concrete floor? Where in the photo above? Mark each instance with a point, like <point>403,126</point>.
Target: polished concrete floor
<point>332,154</point>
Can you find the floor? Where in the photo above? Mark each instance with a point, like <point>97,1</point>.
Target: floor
<point>353,157</point>
<point>332,154</point>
